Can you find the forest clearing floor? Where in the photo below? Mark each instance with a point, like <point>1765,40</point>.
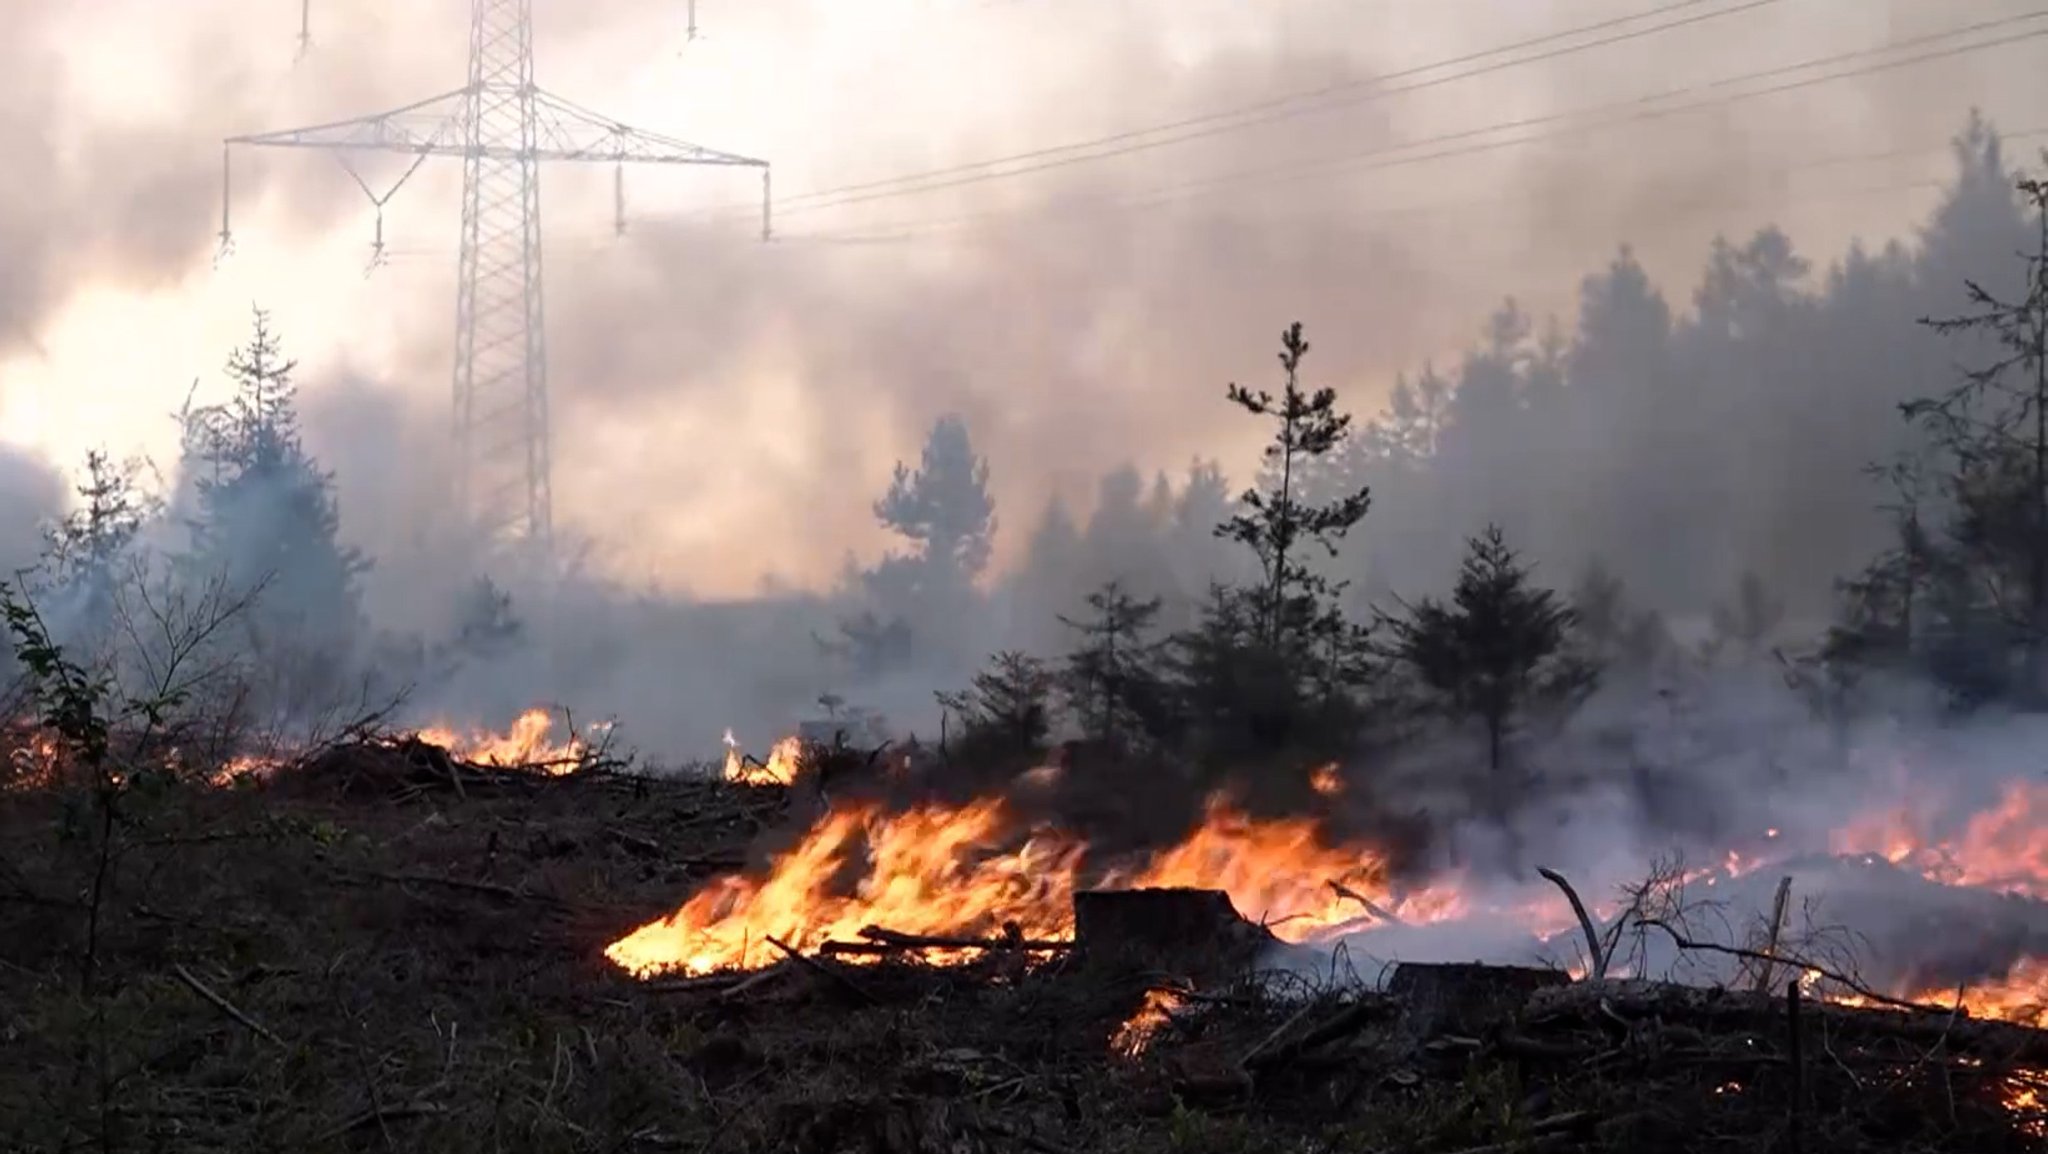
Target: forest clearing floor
<point>385,952</point>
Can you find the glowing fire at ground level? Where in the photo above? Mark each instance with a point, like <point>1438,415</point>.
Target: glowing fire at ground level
<point>969,871</point>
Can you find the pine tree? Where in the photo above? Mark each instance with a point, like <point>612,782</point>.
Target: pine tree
<point>944,507</point>
<point>944,510</point>
<point>1110,682</point>
<point>1276,523</point>
<point>1006,712</point>
<point>1497,649</point>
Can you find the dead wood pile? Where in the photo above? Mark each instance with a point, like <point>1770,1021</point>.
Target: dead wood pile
<point>403,768</point>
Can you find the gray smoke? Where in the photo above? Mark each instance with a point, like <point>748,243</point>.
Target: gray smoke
<point>726,411</point>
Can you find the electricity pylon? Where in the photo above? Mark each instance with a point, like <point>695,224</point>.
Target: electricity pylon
<point>504,127</point>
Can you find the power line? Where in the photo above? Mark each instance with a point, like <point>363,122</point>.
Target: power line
<point>1389,156</point>
<point>1264,111</point>
<point>1489,204</point>
<point>590,243</point>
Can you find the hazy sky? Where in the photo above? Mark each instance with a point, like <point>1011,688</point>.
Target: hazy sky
<point>726,410</point>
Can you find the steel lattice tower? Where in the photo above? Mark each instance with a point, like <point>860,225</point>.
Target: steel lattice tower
<point>504,127</point>
<point>501,388</point>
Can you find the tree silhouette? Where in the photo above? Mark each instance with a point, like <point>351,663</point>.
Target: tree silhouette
<point>1612,633</point>
<point>84,549</point>
<point>1110,682</point>
<point>485,625</point>
<point>1993,426</point>
<point>265,512</point>
<point>944,507</point>
<point>1496,649</point>
<point>1276,522</point>
<point>1006,712</point>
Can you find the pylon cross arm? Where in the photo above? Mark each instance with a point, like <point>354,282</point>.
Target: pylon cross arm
<point>565,130</point>
<point>430,127</point>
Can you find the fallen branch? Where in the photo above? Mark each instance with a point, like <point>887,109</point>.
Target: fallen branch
<point>757,979</point>
<point>491,888</point>
<point>380,1116</point>
<point>1598,955</point>
<point>1342,1024</point>
<point>818,967</point>
<point>1009,941</point>
<point>1846,982</point>
<point>697,984</point>
<point>1371,907</point>
<point>224,1006</point>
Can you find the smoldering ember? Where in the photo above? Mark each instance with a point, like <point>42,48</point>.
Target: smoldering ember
<point>947,680</point>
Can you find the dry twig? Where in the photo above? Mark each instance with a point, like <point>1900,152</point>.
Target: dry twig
<point>1371,907</point>
<point>224,1006</point>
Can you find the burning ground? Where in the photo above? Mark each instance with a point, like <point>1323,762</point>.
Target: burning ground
<point>519,944</point>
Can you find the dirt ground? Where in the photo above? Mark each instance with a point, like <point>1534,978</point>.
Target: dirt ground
<point>366,959</point>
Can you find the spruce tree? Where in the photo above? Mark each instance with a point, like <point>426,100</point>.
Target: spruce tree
<point>1111,683</point>
<point>264,514</point>
<point>1006,712</point>
<point>1497,649</point>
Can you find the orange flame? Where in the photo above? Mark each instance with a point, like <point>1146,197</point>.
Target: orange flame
<point>34,761</point>
<point>1135,1035</point>
<point>943,870</point>
<point>931,870</point>
<point>2002,848</point>
<point>784,760</point>
<point>529,743</point>
<point>1326,780</point>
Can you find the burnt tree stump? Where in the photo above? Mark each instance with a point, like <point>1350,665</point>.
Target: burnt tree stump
<point>1196,934</point>
<point>1464,998</point>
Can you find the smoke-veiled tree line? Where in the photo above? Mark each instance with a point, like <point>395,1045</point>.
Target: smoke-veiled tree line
<point>245,534</point>
<point>1550,515</point>
<point>1708,486</point>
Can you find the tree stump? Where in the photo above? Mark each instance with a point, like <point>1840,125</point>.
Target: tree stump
<point>1464,998</point>
<point>1196,934</point>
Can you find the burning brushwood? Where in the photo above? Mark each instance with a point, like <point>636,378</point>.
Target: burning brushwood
<point>876,941</point>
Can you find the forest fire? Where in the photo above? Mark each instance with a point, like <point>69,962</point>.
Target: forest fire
<point>936,869</point>
<point>972,870</point>
<point>529,743</point>
<point>36,755</point>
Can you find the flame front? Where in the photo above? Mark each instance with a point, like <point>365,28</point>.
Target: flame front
<point>935,869</point>
<point>528,743</point>
<point>946,870</point>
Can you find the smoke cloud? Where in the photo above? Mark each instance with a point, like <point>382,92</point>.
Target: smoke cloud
<point>726,411</point>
